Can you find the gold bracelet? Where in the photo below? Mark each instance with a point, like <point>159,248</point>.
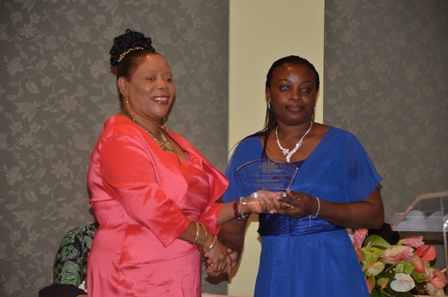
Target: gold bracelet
<point>206,233</point>
<point>197,233</point>
<point>213,243</point>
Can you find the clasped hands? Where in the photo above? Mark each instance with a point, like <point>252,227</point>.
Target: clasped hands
<point>297,204</point>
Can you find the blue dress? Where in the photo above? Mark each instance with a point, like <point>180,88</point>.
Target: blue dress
<point>299,257</point>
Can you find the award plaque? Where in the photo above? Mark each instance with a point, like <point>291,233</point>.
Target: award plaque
<point>265,174</point>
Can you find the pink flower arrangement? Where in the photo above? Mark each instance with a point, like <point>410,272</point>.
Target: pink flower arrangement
<point>397,270</point>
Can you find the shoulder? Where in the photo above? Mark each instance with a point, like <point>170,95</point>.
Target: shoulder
<point>250,145</point>
<point>336,141</point>
<point>121,130</point>
<point>344,143</point>
<point>341,135</point>
<point>119,125</point>
<point>250,141</point>
<point>120,136</point>
<point>117,131</point>
<point>339,131</point>
<point>118,128</point>
<point>250,148</point>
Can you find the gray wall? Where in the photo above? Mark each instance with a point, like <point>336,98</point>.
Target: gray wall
<point>386,80</point>
<point>56,91</point>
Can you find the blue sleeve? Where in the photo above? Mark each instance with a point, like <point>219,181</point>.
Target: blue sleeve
<point>362,175</point>
<point>249,149</point>
<point>339,170</point>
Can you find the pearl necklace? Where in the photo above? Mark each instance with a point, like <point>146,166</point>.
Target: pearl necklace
<point>164,144</point>
<point>286,152</point>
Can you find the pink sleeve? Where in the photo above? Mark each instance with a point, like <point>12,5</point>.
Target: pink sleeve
<point>129,176</point>
<point>218,185</point>
<point>210,216</point>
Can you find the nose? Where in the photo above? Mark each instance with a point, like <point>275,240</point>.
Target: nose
<point>162,84</point>
<point>295,96</point>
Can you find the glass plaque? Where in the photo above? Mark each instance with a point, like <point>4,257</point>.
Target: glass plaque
<point>265,174</point>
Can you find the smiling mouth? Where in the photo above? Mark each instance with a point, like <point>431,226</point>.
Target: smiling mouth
<point>161,100</point>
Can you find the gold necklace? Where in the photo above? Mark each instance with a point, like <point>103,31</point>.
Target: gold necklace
<point>164,144</point>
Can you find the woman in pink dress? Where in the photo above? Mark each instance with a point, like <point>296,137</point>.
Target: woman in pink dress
<point>153,193</point>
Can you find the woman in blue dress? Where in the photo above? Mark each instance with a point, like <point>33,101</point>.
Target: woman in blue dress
<point>305,247</point>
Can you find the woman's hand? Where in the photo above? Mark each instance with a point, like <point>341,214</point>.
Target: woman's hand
<point>367,214</point>
<point>261,202</point>
<point>298,204</point>
<point>219,260</point>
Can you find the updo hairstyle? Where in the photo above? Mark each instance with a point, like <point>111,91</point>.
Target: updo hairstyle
<point>127,51</point>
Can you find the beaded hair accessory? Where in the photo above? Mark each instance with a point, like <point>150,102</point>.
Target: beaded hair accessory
<point>122,55</point>
<point>126,43</point>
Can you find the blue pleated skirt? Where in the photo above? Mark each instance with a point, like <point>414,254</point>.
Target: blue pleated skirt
<point>322,264</point>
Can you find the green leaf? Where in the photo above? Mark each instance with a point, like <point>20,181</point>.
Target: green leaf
<point>371,255</point>
<point>409,267</point>
<point>399,267</point>
<point>418,277</point>
<point>376,241</point>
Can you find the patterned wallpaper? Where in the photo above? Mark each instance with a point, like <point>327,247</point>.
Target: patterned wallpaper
<point>386,80</point>
<point>56,91</point>
<point>385,77</point>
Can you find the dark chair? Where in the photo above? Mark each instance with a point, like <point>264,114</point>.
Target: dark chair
<point>70,263</point>
<point>386,232</point>
<point>61,290</point>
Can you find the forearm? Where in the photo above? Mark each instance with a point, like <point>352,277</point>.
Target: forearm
<point>197,234</point>
<point>232,210</point>
<point>367,214</point>
<point>257,202</point>
<point>232,235</point>
<point>226,213</point>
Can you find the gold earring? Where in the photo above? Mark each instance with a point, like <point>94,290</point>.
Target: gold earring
<point>129,107</point>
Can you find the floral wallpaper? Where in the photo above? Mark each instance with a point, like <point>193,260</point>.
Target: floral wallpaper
<point>386,80</point>
<point>56,90</point>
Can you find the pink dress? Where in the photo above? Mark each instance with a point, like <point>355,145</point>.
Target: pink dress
<point>144,198</point>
